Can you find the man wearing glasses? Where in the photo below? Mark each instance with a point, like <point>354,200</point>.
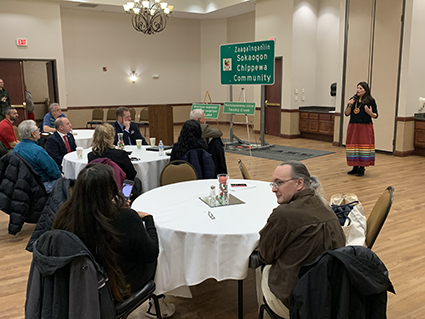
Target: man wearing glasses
<point>301,228</point>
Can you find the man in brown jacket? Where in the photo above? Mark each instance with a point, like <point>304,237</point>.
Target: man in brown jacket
<point>298,230</point>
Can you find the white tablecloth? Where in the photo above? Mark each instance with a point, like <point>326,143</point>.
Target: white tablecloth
<point>194,247</point>
<point>83,138</point>
<point>148,168</point>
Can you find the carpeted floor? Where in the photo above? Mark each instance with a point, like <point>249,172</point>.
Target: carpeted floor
<point>279,153</point>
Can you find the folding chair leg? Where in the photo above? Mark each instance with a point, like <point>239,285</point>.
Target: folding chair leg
<point>157,309</point>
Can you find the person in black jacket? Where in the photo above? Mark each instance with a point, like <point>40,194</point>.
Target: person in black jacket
<point>102,146</point>
<point>61,142</point>
<point>190,138</point>
<point>360,143</point>
<point>127,127</point>
<point>123,241</point>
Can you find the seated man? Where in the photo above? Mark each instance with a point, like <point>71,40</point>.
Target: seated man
<point>301,228</point>
<point>124,125</point>
<point>207,132</point>
<point>62,141</point>
<point>50,118</point>
<point>7,132</point>
<point>212,138</point>
<point>37,156</point>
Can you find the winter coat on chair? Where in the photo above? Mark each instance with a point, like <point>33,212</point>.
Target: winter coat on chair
<point>348,282</point>
<point>202,161</point>
<point>22,194</point>
<point>58,196</point>
<point>65,281</point>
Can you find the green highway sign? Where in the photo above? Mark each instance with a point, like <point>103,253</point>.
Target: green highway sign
<point>239,108</point>
<point>210,110</point>
<point>247,63</point>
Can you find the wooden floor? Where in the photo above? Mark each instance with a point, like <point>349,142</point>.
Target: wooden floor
<point>400,245</point>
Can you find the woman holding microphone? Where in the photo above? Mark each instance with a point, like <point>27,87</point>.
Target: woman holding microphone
<point>360,142</point>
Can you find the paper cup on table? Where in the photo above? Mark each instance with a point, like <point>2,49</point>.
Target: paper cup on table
<point>153,141</point>
<point>80,152</point>
<point>139,144</point>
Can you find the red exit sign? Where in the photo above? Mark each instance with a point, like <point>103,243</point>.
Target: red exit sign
<point>21,42</point>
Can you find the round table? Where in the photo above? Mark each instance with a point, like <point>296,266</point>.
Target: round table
<point>149,165</point>
<point>83,138</point>
<point>198,242</point>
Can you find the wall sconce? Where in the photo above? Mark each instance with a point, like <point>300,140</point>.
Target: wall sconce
<point>133,76</point>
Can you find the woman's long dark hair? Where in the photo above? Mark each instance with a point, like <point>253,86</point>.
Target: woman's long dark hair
<point>189,139</point>
<point>89,213</point>
<point>367,97</point>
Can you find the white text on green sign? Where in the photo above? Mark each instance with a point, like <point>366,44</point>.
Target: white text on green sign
<point>239,108</point>
<point>210,110</point>
<point>247,63</point>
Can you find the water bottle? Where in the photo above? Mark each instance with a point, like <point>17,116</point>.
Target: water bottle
<point>212,196</point>
<point>161,148</point>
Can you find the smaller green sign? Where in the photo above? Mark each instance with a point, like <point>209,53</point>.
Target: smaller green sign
<point>210,110</point>
<point>239,108</point>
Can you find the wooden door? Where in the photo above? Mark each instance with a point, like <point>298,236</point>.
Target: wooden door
<point>273,97</point>
<point>12,74</point>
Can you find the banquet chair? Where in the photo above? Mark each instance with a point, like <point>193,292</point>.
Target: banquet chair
<point>243,169</point>
<point>125,308</point>
<point>111,116</point>
<point>177,171</point>
<point>143,119</point>
<point>132,113</point>
<point>378,215</point>
<point>96,117</point>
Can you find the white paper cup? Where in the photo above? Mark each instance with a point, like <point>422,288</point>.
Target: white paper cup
<point>80,152</point>
<point>139,144</point>
<point>153,141</point>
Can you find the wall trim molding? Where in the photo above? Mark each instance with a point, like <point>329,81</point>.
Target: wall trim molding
<point>404,153</point>
<point>405,119</point>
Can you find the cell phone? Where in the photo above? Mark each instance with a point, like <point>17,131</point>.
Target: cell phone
<point>127,188</point>
<point>238,185</point>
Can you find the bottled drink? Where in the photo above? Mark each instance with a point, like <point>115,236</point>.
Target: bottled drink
<point>212,196</point>
<point>161,148</point>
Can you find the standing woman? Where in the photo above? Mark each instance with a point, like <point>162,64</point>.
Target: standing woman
<point>360,143</point>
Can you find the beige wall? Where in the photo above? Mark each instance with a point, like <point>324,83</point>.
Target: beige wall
<point>93,40</point>
<point>40,24</point>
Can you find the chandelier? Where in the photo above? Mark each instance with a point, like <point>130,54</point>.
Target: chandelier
<point>149,17</point>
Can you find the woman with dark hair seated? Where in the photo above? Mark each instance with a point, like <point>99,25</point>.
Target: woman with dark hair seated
<point>122,240</point>
<point>190,138</point>
<point>103,146</point>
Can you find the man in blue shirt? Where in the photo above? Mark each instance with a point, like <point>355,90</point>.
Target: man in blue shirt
<point>128,128</point>
<point>50,118</point>
<point>37,156</point>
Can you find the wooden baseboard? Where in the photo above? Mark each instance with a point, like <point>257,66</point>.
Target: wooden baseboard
<point>335,143</point>
<point>404,153</point>
<point>290,136</point>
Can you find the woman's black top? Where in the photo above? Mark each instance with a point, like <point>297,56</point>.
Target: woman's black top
<point>120,158</point>
<point>139,247</point>
<point>362,117</point>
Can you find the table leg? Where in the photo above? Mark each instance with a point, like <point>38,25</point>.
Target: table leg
<point>240,299</point>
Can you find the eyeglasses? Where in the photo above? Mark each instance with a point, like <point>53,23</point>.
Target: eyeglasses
<point>278,183</point>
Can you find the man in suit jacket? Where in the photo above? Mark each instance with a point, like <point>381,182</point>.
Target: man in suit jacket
<point>62,141</point>
<point>128,128</point>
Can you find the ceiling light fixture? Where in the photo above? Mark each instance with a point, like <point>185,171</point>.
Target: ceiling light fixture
<point>149,17</point>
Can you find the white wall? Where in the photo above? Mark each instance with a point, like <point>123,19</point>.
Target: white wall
<point>213,33</point>
<point>328,54</point>
<point>304,48</point>
<point>40,24</point>
<point>93,40</point>
<point>242,29</point>
<point>413,64</point>
<point>273,19</point>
